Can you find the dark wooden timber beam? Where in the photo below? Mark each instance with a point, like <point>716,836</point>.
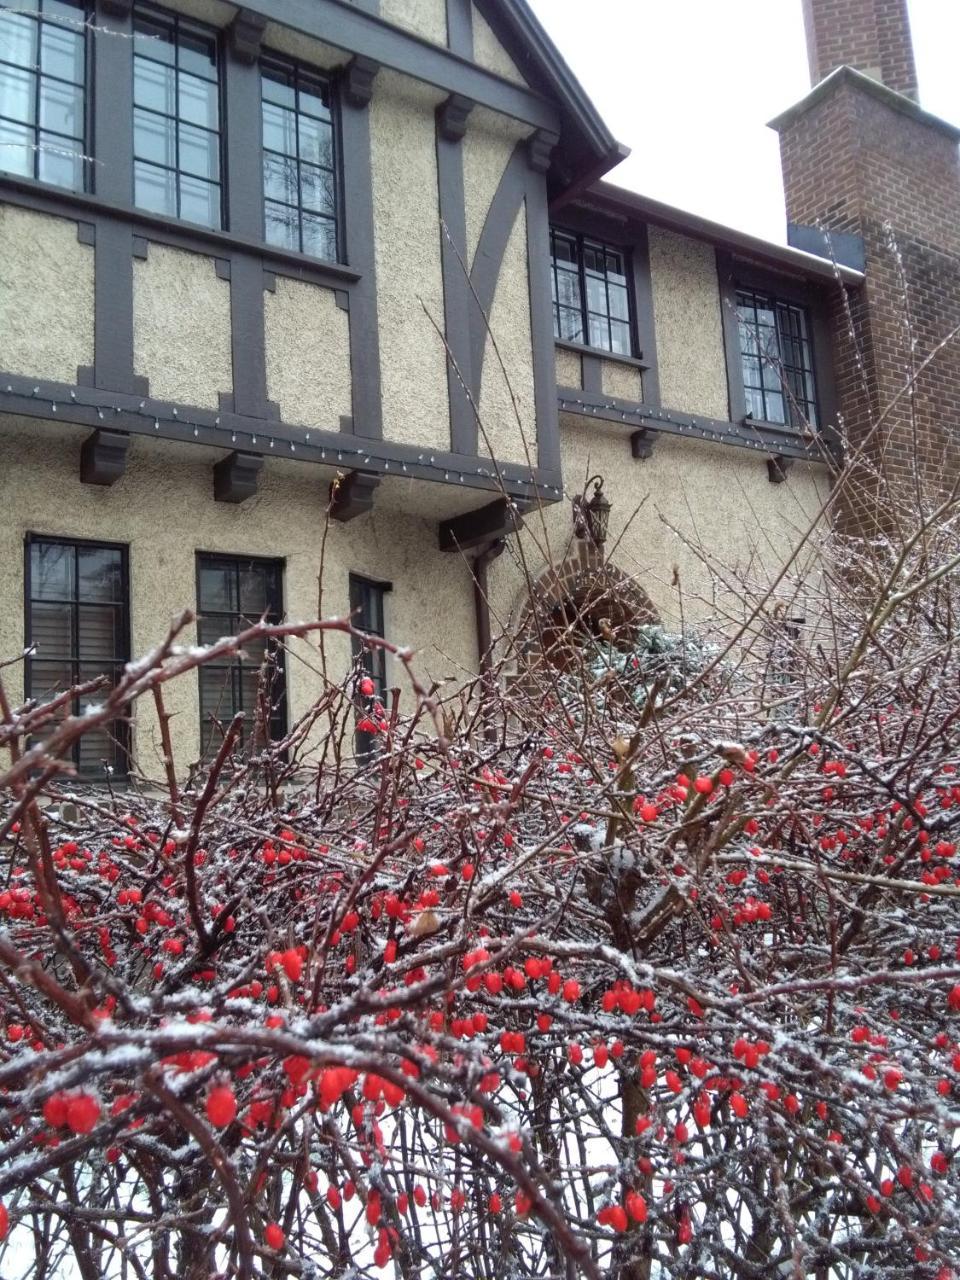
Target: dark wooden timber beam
<point>352,495</point>
<point>475,528</point>
<point>103,457</point>
<point>235,476</point>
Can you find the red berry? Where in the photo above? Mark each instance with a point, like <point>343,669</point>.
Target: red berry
<point>83,1112</point>
<point>221,1106</point>
<point>274,1236</point>
<point>4,1221</point>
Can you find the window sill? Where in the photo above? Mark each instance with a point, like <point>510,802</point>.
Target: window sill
<point>582,350</point>
<point>73,204</point>
<point>781,428</point>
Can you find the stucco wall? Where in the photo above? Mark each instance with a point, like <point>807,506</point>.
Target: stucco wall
<point>686,304</point>
<point>621,380</point>
<point>308,353</point>
<point>181,326</point>
<point>488,52</point>
<point>407,220</point>
<point>46,296</point>
<point>163,508</point>
<point>569,368</point>
<point>507,409</point>
<point>487,147</point>
<point>428,18</point>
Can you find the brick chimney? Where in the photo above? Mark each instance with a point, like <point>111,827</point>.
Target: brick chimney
<point>872,36</point>
<point>869,175</point>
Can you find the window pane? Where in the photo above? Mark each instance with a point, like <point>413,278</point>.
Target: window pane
<point>51,629</point>
<point>199,152</point>
<point>156,189</point>
<point>16,148</point>
<point>198,101</point>
<point>619,302</point>
<point>772,377</point>
<point>99,574</point>
<point>200,201</point>
<point>279,129</point>
<point>282,226</point>
<point>154,86</point>
<point>316,142</point>
<point>316,189</point>
<point>571,325</point>
<point>47,679</point>
<point>278,87</point>
<point>253,590</point>
<point>17,90</point>
<point>280,178</point>
<point>599,333</point>
<point>59,164</point>
<point>568,288</point>
<point>775,408</point>
<point>61,108</point>
<point>751,371</point>
<point>154,138</point>
<point>620,337</point>
<point>319,237</point>
<point>755,404</point>
<point>198,55</point>
<point>596,295</point>
<point>61,53</point>
<point>154,39</point>
<point>52,571</point>
<point>18,39</point>
<point>100,636</point>
<point>217,588</point>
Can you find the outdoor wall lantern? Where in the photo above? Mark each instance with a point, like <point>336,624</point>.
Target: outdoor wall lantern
<point>591,517</point>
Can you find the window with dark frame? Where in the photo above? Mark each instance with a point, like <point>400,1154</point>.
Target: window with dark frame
<point>233,593</point>
<point>299,160</point>
<point>77,623</point>
<point>591,298</point>
<point>776,357</point>
<point>176,117</point>
<point>43,99</point>
<point>367,600</point>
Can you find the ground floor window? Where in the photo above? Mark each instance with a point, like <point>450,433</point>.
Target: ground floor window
<point>367,601</point>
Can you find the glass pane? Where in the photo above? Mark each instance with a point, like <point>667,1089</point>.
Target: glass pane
<point>619,302</point>
<point>314,100</point>
<point>200,201</point>
<point>253,590</point>
<point>16,148</point>
<point>101,634</point>
<point>50,678</point>
<point>280,178</point>
<point>279,129</point>
<point>98,753</point>
<point>217,589</point>
<point>69,10</point>
<point>748,339</point>
<point>198,55</point>
<point>198,101</point>
<point>154,86</point>
<point>772,375</point>
<point>100,574</point>
<point>199,152</point>
<point>61,108</point>
<point>154,138</point>
<point>316,141</point>
<point>596,295</point>
<point>571,325</point>
<point>51,629</point>
<point>751,371</point>
<point>59,165</point>
<point>568,289</point>
<point>316,189</point>
<point>155,189</point>
<point>755,404</point>
<point>18,39</point>
<point>276,87</point>
<point>599,333</point>
<point>216,697</point>
<point>775,409</point>
<point>61,53</point>
<point>17,89</point>
<point>620,337</point>
<point>282,226</point>
<point>564,250</point>
<point>51,571</point>
<point>319,237</point>
<point>154,39</point>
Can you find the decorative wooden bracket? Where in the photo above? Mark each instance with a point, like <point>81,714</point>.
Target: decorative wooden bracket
<point>777,468</point>
<point>103,457</point>
<point>540,146</point>
<point>452,115</point>
<point>352,495</point>
<point>358,77</point>
<point>235,476</point>
<point>642,442</point>
<point>487,524</point>
<point>245,34</point>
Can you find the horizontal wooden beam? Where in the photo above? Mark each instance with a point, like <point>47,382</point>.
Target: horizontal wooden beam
<point>487,524</point>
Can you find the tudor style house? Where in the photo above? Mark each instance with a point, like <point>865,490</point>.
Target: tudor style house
<point>270,266</point>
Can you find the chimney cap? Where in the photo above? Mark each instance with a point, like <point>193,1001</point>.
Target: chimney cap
<point>856,79</point>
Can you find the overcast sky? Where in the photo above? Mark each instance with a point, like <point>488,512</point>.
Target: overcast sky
<point>689,85</point>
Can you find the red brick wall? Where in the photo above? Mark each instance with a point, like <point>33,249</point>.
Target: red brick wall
<point>871,35</point>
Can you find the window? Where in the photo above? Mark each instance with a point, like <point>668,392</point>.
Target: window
<point>233,594</point>
<point>176,117</point>
<point>299,161</point>
<point>367,600</point>
<point>591,301</point>
<point>43,60</point>
<point>776,358</point>
<point>77,620</point>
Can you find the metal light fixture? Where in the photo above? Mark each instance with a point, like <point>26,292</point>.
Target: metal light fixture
<point>592,516</point>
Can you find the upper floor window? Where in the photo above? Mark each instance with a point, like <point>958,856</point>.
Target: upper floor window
<point>777,359</point>
<point>591,300</point>
<point>299,161</point>
<point>77,623</point>
<point>176,117</point>
<point>43,108</point>
<point>232,594</point>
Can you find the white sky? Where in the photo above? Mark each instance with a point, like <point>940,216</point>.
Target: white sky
<point>690,84</point>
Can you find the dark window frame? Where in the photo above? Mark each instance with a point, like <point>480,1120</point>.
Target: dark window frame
<point>275,613</point>
<point>795,380</point>
<point>739,274</point>
<point>372,662</point>
<point>120,728</point>
<point>157,13</point>
<point>583,240</point>
<point>40,19</point>
<point>299,71</point>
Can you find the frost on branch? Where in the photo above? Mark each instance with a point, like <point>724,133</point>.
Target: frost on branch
<point>659,978</point>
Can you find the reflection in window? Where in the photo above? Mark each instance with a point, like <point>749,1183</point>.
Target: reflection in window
<point>43,90</point>
<point>233,594</point>
<point>776,358</point>
<point>367,600</point>
<point>591,301</point>
<point>77,623</point>
<point>299,164</point>
<point>176,118</point>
